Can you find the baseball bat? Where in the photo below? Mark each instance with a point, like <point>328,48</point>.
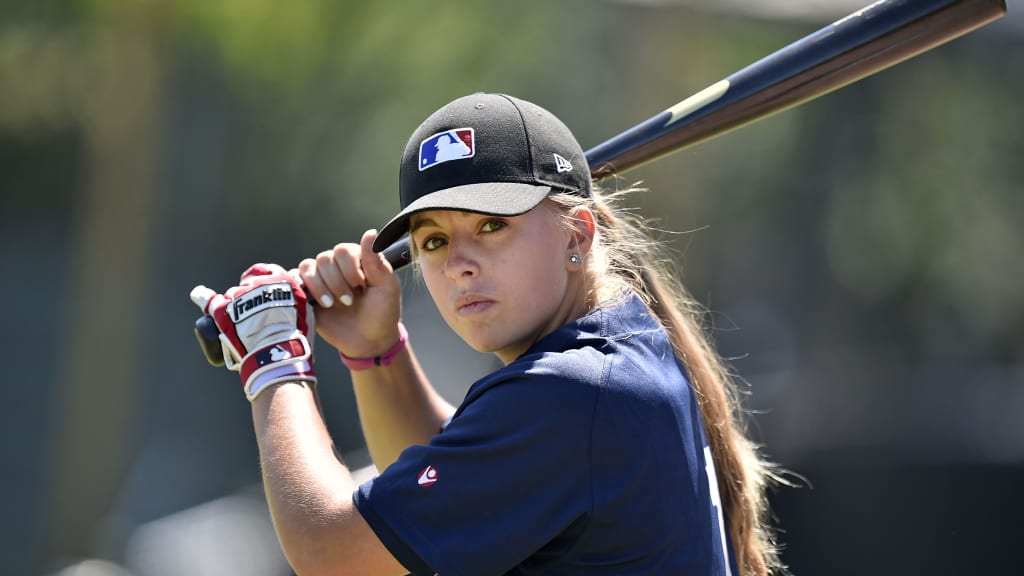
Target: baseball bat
<point>863,43</point>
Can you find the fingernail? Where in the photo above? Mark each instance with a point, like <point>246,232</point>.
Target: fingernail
<point>326,301</point>
<point>346,299</point>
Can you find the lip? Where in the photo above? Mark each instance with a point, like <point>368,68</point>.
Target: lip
<point>472,303</point>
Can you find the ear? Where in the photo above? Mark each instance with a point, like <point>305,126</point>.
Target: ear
<point>584,227</point>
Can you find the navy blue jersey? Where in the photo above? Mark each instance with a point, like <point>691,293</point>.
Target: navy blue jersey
<point>584,456</point>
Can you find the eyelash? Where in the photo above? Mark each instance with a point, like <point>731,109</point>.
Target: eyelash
<point>497,225</point>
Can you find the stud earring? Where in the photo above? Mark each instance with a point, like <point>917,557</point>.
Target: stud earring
<point>575,258</point>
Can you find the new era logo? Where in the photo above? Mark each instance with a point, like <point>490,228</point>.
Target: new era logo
<point>561,164</point>
<point>456,144</point>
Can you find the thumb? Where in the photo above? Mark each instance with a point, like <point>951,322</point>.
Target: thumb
<point>375,266</point>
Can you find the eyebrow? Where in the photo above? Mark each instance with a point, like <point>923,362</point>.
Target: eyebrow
<point>420,223</point>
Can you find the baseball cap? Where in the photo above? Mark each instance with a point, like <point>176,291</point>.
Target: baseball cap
<point>488,154</point>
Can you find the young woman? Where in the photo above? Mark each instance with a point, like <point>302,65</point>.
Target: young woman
<point>609,443</point>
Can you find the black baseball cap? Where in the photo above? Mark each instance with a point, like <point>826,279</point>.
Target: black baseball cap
<point>488,154</point>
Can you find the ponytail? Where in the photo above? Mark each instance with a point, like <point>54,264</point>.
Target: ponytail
<point>624,257</point>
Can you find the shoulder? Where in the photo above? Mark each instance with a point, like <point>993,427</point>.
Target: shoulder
<point>616,349</point>
<point>538,382</point>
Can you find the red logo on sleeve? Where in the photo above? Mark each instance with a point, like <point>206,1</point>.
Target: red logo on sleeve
<point>428,476</point>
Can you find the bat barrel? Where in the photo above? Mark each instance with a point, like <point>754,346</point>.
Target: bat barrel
<point>847,50</point>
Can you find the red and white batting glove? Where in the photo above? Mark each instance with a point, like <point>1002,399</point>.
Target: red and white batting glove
<point>265,325</point>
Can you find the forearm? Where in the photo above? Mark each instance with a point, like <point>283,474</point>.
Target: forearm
<point>263,326</point>
<point>398,407</point>
<point>308,488</point>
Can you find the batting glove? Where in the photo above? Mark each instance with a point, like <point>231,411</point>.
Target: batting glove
<point>265,325</point>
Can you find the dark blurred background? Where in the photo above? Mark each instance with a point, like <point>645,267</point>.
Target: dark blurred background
<point>861,255</point>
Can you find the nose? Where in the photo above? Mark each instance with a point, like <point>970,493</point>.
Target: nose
<point>461,261</point>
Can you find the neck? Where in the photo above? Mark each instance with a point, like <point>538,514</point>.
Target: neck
<point>578,302</point>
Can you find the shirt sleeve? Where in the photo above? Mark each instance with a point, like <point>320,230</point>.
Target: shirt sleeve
<point>509,474</point>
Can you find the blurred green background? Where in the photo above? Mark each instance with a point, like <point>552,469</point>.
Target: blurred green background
<point>861,255</point>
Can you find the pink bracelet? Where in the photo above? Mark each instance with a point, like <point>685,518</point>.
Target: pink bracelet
<point>356,364</point>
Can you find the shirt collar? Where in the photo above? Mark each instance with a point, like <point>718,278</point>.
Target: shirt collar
<point>616,319</point>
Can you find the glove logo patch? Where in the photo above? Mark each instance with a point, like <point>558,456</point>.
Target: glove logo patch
<point>254,301</point>
<point>279,352</point>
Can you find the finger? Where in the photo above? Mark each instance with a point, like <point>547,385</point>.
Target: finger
<point>375,266</point>
<point>261,269</point>
<point>315,287</point>
<point>201,296</point>
<point>296,278</point>
<point>341,273</point>
<point>327,270</point>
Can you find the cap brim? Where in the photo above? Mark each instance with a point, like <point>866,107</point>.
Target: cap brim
<point>497,198</point>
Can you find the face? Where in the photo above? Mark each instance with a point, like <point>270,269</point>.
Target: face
<point>500,282</point>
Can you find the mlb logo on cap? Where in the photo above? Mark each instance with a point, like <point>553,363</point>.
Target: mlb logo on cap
<point>456,144</point>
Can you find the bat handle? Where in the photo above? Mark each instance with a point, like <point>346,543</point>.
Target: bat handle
<point>208,335</point>
<point>398,254</point>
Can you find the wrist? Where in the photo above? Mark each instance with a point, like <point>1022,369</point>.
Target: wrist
<point>385,359</point>
<point>287,361</point>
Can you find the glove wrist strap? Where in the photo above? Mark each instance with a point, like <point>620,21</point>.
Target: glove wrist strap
<point>286,361</point>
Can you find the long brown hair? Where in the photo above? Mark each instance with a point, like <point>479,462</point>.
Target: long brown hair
<point>624,255</point>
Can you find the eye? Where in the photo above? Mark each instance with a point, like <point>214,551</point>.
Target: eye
<point>431,243</point>
<point>493,225</point>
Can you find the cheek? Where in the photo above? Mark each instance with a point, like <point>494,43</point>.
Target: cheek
<point>440,290</point>
<point>434,282</point>
<point>538,278</point>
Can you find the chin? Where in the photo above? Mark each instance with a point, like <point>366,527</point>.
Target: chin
<point>483,347</point>
<point>482,343</point>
